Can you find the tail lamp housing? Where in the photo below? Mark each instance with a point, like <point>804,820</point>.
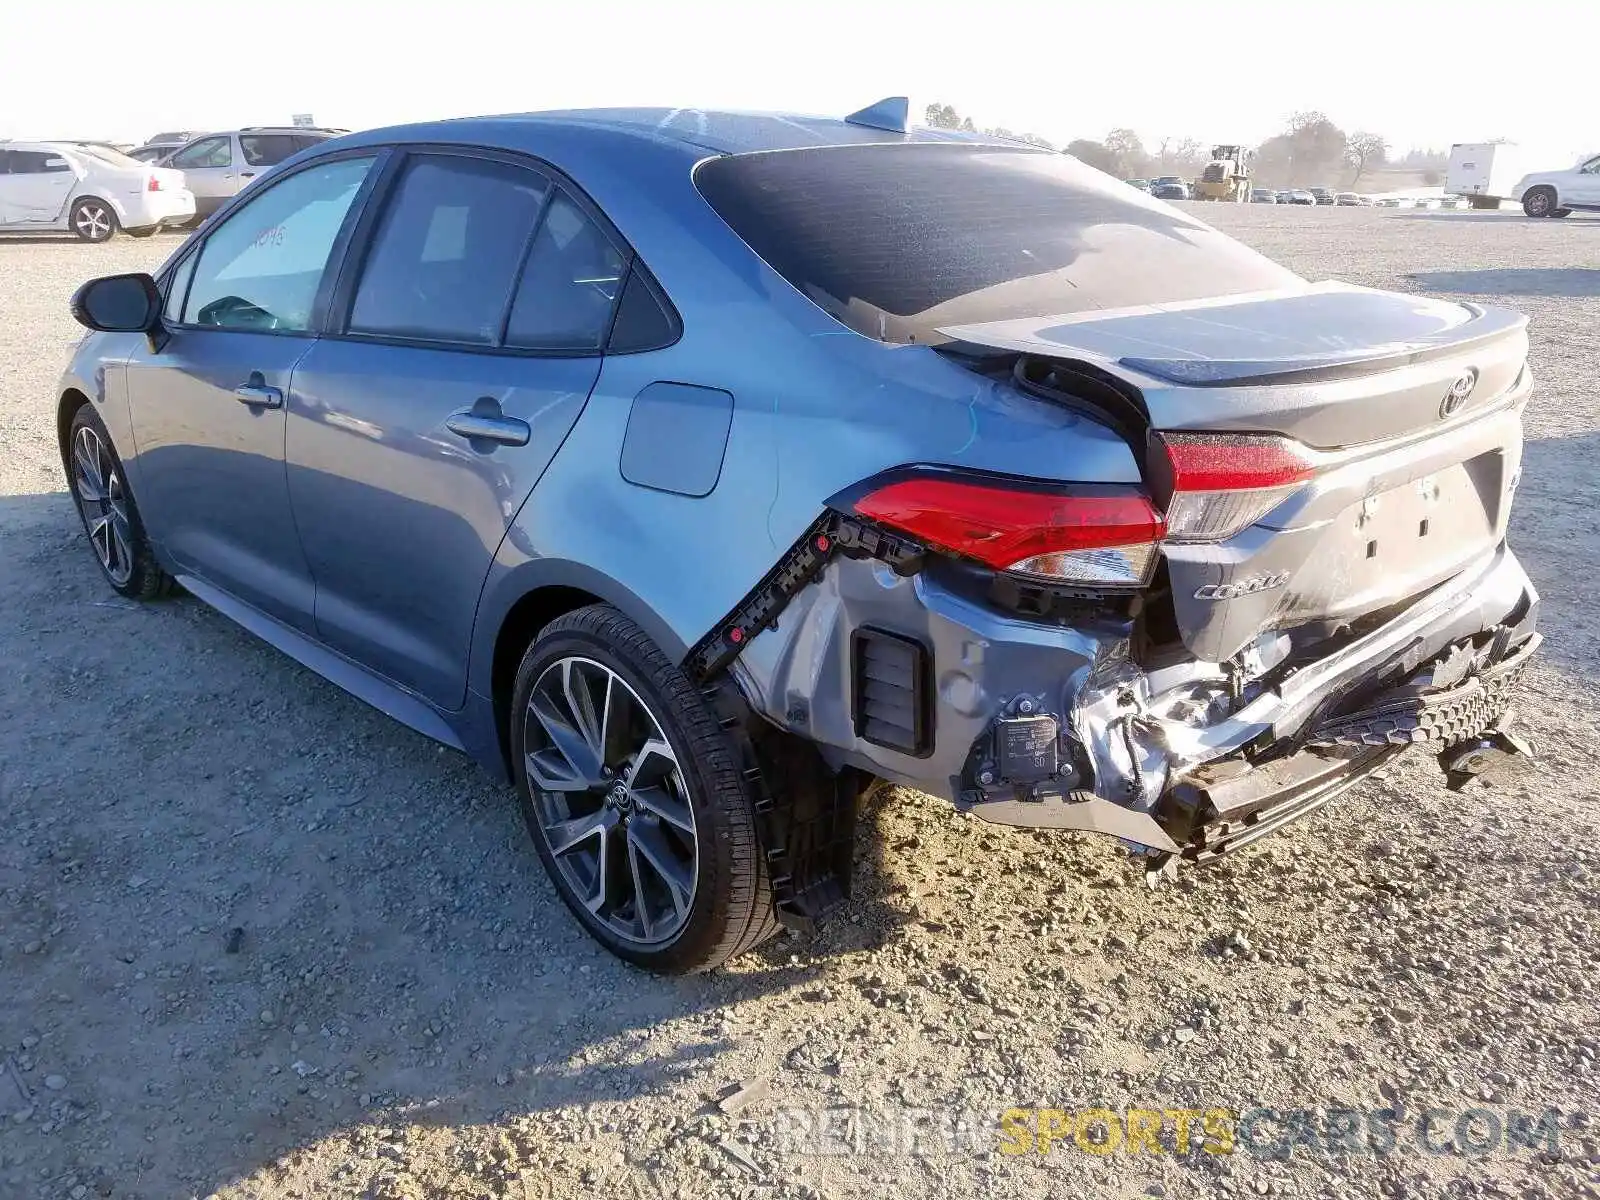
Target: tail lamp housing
<point>1223,483</point>
<point>1092,535</point>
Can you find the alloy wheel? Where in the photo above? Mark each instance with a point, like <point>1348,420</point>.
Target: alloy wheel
<point>611,801</point>
<point>103,500</point>
<point>93,221</point>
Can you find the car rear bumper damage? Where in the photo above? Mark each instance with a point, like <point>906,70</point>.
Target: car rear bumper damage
<point>911,678</point>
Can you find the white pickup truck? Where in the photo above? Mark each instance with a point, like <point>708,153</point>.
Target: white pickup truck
<point>1557,193</point>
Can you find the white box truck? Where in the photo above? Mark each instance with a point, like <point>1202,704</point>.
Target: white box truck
<point>1484,172</point>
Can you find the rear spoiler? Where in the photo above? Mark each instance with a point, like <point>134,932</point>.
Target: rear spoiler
<point>1486,325</point>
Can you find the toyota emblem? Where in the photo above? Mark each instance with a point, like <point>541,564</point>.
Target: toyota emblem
<point>1457,395</point>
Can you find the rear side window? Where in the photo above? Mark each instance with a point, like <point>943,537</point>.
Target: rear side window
<point>34,162</point>
<point>897,241</point>
<point>267,149</point>
<point>569,285</point>
<point>261,268</point>
<point>446,255</point>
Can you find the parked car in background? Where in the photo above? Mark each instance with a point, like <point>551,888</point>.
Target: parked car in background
<point>1558,193</point>
<point>1297,196</point>
<point>1347,200</point>
<point>176,137</point>
<point>1321,195</point>
<point>477,419</point>
<point>1171,181</point>
<point>218,165</point>
<point>87,189</point>
<point>1263,196</point>
<point>1392,202</point>
<point>1142,185</point>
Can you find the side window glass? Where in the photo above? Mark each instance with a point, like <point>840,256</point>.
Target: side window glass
<point>208,152</point>
<point>33,162</point>
<point>445,256</point>
<point>569,285</point>
<point>177,289</point>
<point>260,269</point>
<point>1592,167</point>
<point>266,149</point>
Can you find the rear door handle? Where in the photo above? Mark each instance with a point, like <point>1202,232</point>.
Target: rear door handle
<point>473,426</point>
<point>247,174</point>
<point>258,395</point>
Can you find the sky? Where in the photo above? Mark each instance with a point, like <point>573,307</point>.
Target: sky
<point>1423,74</point>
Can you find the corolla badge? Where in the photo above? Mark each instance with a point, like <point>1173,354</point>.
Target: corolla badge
<point>1242,587</point>
<point>1457,395</point>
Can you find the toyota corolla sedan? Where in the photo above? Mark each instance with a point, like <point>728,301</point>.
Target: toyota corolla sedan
<point>696,471</point>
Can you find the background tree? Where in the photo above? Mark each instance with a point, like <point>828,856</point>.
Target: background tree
<point>1363,150</point>
<point>1094,154</point>
<point>942,116</point>
<point>1128,152</point>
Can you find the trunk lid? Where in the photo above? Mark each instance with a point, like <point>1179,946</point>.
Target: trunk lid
<point>1410,408</point>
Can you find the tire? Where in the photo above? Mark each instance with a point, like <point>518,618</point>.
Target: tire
<point>629,805</point>
<point>1539,202</point>
<point>93,219</point>
<point>1561,212</point>
<point>147,231</point>
<point>110,517</point>
<point>1484,201</point>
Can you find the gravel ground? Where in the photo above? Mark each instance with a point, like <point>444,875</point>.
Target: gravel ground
<point>257,940</point>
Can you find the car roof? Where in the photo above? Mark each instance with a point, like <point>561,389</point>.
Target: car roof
<point>722,131</point>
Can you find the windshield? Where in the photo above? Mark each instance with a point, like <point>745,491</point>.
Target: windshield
<point>897,241</point>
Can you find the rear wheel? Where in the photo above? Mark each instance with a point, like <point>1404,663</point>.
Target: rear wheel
<point>142,233</point>
<point>634,798</point>
<point>1484,201</point>
<point>1561,212</point>
<point>93,219</point>
<point>1540,202</point>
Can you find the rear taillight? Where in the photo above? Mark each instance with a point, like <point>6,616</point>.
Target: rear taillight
<point>1224,483</point>
<point>1089,534</point>
<point>154,185</point>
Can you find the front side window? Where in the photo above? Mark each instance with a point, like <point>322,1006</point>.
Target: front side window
<point>261,268</point>
<point>207,152</point>
<point>1592,167</point>
<point>267,149</point>
<point>897,241</point>
<point>446,254</point>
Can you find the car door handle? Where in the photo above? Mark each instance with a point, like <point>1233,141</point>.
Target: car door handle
<point>258,395</point>
<point>479,427</point>
<point>247,174</point>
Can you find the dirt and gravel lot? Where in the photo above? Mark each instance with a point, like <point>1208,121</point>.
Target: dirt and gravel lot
<point>258,940</point>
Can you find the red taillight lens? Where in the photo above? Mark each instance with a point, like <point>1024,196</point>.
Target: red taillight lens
<point>1084,535</point>
<point>1225,462</point>
<point>1224,483</point>
<point>154,185</point>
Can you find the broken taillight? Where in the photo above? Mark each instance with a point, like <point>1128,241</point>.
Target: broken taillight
<point>1224,483</point>
<point>1082,534</point>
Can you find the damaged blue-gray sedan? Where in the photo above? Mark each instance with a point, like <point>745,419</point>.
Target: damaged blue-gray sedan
<point>696,471</point>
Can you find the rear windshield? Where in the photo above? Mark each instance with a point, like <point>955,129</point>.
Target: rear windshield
<point>897,241</point>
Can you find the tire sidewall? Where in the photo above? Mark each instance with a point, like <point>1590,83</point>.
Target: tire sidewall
<point>146,578</point>
<point>709,911</point>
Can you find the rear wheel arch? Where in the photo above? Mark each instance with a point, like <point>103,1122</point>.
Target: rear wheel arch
<point>550,590</point>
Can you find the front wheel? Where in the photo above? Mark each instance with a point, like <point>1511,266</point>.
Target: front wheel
<point>1540,202</point>
<point>634,797</point>
<point>93,220</point>
<point>110,517</point>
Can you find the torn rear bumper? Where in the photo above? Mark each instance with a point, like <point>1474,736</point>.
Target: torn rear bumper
<point>1054,726</point>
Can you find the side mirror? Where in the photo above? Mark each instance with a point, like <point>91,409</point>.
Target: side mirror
<point>119,304</point>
